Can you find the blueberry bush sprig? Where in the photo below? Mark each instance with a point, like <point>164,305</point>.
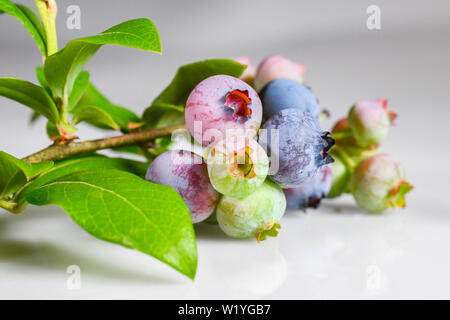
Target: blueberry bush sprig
<point>104,191</point>
<point>244,160</point>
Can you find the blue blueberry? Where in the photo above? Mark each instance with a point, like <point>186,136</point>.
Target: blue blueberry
<point>301,147</point>
<point>312,192</point>
<point>281,94</point>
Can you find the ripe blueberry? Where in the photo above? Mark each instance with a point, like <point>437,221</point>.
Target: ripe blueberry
<point>275,67</point>
<point>283,93</point>
<point>312,192</point>
<point>219,104</point>
<point>186,172</point>
<point>237,166</point>
<point>256,215</point>
<point>301,147</point>
<point>378,183</point>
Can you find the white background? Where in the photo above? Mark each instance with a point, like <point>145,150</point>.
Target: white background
<point>337,251</point>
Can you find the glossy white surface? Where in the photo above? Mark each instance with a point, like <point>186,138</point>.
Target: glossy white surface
<point>322,254</point>
<point>337,251</point>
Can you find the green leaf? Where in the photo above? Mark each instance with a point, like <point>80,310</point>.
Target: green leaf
<point>41,78</point>
<point>52,131</point>
<point>171,118</point>
<point>30,95</point>
<point>188,76</point>
<point>30,170</point>
<point>85,163</point>
<point>15,173</point>
<point>33,19</point>
<point>153,115</point>
<point>79,87</point>
<point>94,116</point>
<point>62,68</point>
<point>120,115</point>
<point>29,21</point>
<point>121,208</point>
<point>34,116</point>
<point>12,179</point>
<point>128,149</point>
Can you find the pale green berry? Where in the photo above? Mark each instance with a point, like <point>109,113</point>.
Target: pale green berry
<point>237,166</point>
<point>378,183</point>
<point>370,121</point>
<point>256,215</point>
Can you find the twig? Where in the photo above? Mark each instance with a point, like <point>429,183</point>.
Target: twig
<point>58,152</point>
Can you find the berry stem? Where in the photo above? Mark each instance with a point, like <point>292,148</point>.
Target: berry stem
<point>344,156</point>
<point>59,152</point>
<point>342,134</point>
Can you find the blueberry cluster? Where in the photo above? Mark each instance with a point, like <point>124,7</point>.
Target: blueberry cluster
<point>262,151</point>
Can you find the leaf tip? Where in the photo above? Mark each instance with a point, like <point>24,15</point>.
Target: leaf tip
<point>192,273</point>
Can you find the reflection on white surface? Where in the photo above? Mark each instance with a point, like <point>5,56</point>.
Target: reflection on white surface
<point>237,268</point>
<point>321,254</point>
<point>348,249</point>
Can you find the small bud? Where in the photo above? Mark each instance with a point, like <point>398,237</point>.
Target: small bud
<point>275,67</point>
<point>378,183</point>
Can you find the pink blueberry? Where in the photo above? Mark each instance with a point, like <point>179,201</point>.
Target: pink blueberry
<point>186,172</point>
<point>275,67</point>
<point>221,105</point>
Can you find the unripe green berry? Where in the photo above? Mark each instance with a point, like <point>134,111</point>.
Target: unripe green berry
<point>370,122</point>
<point>256,215</point>
<point>378,183</point>
<point>237,166</point>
